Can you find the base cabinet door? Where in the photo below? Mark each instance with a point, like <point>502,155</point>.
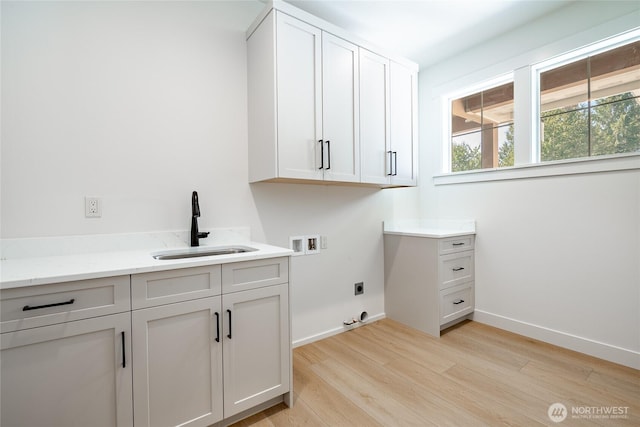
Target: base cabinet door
<point>70,374</point>
<point>256,347</point>
<point>178,364</point>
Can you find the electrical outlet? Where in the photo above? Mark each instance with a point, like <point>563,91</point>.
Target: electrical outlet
<point>297,244</point>
<point>323,242</point>
<point>92,207</point>
<point>358,288</point>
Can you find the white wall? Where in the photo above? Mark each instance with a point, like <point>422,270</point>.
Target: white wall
<point>140,103</point>
<point>557,257</point>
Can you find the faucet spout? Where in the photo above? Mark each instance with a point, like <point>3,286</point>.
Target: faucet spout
<point>195,213</point>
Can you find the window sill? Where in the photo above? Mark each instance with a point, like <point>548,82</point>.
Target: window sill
<point>619,162</point>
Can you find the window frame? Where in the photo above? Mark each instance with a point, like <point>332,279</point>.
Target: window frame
<point>469,90</point>
<point>527,147</point>
<point>537,69</point>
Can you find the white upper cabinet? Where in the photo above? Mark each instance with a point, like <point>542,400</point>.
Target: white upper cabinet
<point>321,107</point>
<point>374,117</point>
<point>403,110</point>
<point>341,150</point>
<point>298,101</point>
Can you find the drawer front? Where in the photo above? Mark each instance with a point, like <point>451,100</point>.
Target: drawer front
<point>456,244</point>
<point>456,302</point>
<point>456,269</point>
<point>246,275</point>
<point>166,287</point>
<point>35,306</point>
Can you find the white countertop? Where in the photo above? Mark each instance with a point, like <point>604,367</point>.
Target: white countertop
<point>18,269</point>
<point>431,228</point>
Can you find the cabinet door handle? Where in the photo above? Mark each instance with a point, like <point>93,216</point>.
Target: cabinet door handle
<point>124,358</point>
<point>321,154</point>
<point>390,153</point>
<point>460,301</point>
<point>458,269</point>
<point>328,155</point>
<point>458,244</point>
<point>229,334</point>
<point>217,326</point>
<point>395,163</point>
<point>27,308</point>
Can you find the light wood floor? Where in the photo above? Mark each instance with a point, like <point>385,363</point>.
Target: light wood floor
<point>387,374</point>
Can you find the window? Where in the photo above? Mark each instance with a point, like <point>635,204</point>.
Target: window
<point>591,106</point>
<point>482,129</point>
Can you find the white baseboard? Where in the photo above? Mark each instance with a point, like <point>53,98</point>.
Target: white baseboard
<point>335,331</point>
<point>601,350</point>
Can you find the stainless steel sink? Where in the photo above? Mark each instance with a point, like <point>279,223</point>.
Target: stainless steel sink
<point>201,252</point>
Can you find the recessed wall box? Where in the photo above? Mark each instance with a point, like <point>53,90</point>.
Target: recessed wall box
<point>297,244</point>
<point>312,245</point>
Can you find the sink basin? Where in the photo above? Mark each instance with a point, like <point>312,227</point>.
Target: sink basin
<point>200,252</point>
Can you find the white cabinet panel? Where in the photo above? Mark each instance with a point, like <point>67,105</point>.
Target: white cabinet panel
<point>178,364</point>
<point>299,112</point>
<point>374,117</point>
<point>69,374</point>
<point>340,110</point>
<point>403,108</point>
<point>256,347</point>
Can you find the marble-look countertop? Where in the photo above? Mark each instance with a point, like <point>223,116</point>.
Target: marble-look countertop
<point>39,261</point>
<point>431,228</point>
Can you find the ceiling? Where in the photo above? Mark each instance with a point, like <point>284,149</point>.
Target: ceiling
<point>428,31</point>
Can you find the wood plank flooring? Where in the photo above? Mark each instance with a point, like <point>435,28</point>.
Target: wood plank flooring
<point>387,374</point>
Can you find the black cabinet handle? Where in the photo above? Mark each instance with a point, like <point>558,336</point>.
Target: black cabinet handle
<point>321,154</point>
<point>460,301</point>
<point>229,334</point>
<point>458,269</point>
<point>395,162</point>
<point>124,358</point>
<point>458,244</point>
<point>27,308</point>
<point>217,326</point>
<point>328,155</point>
<point>390,153</point>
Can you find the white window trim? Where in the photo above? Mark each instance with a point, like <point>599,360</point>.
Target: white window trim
<point>446,107</point>
<point>583,165</point>
<point>527,125</point>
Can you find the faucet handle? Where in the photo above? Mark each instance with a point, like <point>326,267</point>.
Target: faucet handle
<point>195,206</point>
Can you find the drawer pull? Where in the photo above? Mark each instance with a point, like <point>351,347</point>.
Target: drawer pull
<point>460,301</point>
<point>458,269</point>
<point>229,334</point>
<point>36,307</point>
<point>458,244</point>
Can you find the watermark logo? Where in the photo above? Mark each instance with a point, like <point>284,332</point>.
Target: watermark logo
<point>557,412</point>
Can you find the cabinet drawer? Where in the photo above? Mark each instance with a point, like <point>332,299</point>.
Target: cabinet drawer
<point>34,306</point>
<point>241,276</point>
<point>165,287</point>
<point>456,269</point>
<point>456,302</point>
<point>456,244</point>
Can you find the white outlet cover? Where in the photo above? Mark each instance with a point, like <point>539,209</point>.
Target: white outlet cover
<point>92,207</point>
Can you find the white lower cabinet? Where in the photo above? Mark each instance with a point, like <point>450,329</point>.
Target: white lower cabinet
<point>68,374</point>
<point>177,364</point>
<point>206,360</point>
<point>256,347</point>
<point>429,281</point>
<point>202,346</point>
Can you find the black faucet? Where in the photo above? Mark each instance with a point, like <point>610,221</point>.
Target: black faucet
<point>195,213</point>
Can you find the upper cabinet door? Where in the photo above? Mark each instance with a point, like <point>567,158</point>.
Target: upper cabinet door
<point>404,124</point>
<point>299,98</point>
<point>341,148</point>
<point>374,118</point>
